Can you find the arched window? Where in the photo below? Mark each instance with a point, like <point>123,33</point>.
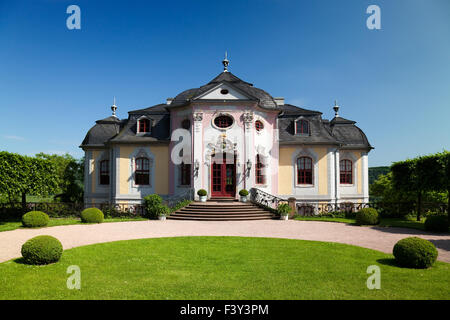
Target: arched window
<point>259,171</point>
<point>144,125</point>
<point>104,172</point>
<point>142,172</point>
<point>185,174</point>
<point>223,121</point>
<point>259,125</point>
<point>304,170</point>
<point>346,172</point>
<point>302,127</point>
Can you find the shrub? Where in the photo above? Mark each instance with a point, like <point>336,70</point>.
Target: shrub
<point>202,193</point>
<point>42,250</point>
<point>152,203</point>
<point>243,193</point>
<point>367,216</point>
<point>333,214</point>
<point>436,223</point>
<point>179,205</point>
<point>414,252</point>
<point>162,210</point>
<point>284,209</point>
<point>35,219</point>
<point>92,215</point>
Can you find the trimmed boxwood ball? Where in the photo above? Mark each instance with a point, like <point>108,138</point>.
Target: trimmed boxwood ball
<point>42,250</point>
<point>92,215</point>
<point>367,216</point>
<point>35,219</point>
<point>414,252</point>
<point>202,192</point>
<point>437,223</point>
<point>243,193</point>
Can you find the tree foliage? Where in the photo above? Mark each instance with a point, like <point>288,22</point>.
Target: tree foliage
<point>21,175</point>
<point>422,175</point>
<point>70,173</point>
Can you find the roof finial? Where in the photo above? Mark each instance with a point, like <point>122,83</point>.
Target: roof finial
<point>114,108</point>
<point>336,109</point>
<point>225,63</point>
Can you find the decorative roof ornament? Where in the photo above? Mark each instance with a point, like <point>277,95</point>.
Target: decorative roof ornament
<point>336,109</point>
<point>225,62</point>
<point>114,108</point>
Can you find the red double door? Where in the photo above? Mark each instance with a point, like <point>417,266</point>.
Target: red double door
<point>223,175</point>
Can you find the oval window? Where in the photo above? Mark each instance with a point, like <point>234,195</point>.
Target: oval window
<point>224,91</point>
<point>223,121</point>
<point>259,125</point>
<point>186,124</point>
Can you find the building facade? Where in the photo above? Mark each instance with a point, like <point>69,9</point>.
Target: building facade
<point>225,136</point>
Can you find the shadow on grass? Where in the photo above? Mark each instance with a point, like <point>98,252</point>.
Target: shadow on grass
<point>20,260</point>
<point>389,262</point>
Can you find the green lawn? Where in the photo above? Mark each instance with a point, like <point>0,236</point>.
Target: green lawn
<point>222,268</point>
<point>15,224</point>
<point>385,222</point>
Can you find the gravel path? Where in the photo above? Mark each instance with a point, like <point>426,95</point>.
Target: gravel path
<point>382,239</point>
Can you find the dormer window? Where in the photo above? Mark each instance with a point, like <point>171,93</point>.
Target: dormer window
<point>301,127</point>
<point>143,125</point>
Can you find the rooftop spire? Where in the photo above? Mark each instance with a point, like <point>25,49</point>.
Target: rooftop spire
<point>336,109</point>
<point>225,63</point>
<point>114,108</point>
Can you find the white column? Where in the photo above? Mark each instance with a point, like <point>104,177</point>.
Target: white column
<point>331,174</point>
<point>198,146</point>
<point>337,175</point>
<point>365,174</point>
<point>248,150</point>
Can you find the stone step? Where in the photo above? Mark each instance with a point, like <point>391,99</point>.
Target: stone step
<point>217,212</point>
<point>222,209</point>
<point>217,216</point>
<point>174,217</point>
<point>222,205</point>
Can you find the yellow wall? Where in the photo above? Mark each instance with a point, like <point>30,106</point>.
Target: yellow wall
<point>160,172</point>
<point>359,169</point>
<point>323,169</point>
<point>286,172</point>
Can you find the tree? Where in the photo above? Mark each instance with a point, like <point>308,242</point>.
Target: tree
<point>406,179</point>
<point>444,161</point>
<point>22,175</point>
<point>70,176</point>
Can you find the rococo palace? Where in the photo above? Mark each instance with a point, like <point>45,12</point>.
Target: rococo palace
<point>225,136</point>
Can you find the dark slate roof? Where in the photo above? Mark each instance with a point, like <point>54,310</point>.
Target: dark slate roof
<point>319,134</point>
<point>264,99</point>
<point>289,109</point>
<point>338,131</point>
<point>158,109</point>
<point>101,132</point>
<point>351,136</point>
<point>160,122</point>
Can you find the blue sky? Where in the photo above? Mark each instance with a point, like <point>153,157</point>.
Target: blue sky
<point>395,82</point>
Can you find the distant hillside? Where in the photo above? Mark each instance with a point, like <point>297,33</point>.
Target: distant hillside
<point>374,172</point>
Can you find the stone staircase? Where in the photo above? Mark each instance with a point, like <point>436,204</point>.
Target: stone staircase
<point>222,210</point>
